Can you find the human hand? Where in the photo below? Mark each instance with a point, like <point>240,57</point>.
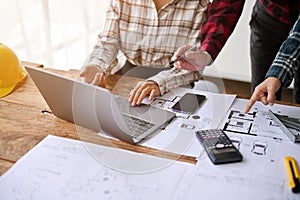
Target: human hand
<point>92,74</point>
<point>265,92</point>
<point>141,90</point>
<point>193,61</point>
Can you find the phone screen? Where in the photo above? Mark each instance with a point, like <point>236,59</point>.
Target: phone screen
<point>189,103</point>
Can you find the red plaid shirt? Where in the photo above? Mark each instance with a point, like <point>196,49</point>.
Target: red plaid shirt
<point>222,17</point>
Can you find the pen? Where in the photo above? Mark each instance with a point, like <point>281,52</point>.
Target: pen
<point>293,173</point>
<point>193,48</point>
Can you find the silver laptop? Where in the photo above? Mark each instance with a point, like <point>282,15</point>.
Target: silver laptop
<point>97,108</point>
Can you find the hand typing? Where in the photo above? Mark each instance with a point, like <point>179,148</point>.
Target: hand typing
<point>92,74</point>
<point>141,90</point>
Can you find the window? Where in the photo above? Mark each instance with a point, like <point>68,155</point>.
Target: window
<point>58,34</point>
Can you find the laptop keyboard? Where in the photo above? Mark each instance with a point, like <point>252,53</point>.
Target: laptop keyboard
<point>137,126</point>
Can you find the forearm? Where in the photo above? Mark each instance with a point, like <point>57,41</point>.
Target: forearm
<point>287,60</point>
<point>103,57</point>
<point>222,17</point>
<point>283,74</point>
<point>107,47</point>
<point>173,78</point>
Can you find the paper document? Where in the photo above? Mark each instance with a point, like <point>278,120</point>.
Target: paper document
<point>60,168</point>
<point>258,121</point>
<point>66,169</point>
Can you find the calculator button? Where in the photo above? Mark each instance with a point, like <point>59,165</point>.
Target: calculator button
<point>220,146</point>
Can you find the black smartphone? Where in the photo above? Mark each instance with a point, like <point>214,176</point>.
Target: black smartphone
<point>189,103</point>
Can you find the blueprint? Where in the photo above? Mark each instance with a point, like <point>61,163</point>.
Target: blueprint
<point>60,168</point>
<point>257,122</point>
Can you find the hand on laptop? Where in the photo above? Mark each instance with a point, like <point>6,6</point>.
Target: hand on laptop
<point>92,74</point>
<point>264,92</point>
<point>141,90</point>
<point>193,61</point>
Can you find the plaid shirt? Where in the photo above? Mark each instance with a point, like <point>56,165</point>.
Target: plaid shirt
<point>223,15</point>
<point>287,60</point>
<point>281,9</point>
<point>148,37</point>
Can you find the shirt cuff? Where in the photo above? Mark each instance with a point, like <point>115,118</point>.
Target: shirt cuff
<point>282,74</point>
<point>98,63</point>
<point>213,53</point>
<point>160,83</point>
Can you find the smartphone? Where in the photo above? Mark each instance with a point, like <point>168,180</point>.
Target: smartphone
<point>189,103</point>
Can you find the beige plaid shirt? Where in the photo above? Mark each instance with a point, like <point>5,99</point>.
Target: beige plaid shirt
<point>148,37</point>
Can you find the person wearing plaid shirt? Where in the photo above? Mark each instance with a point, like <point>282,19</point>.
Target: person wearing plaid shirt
<point>147,32</point>
<point>282,71</point>
<point>270,24</point>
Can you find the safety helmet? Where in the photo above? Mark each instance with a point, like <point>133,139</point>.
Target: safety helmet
<point>11,71</point>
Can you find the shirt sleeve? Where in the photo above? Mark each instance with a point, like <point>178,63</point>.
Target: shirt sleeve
<point>287,60</point>
<point>107,47</point>
<point>173,78</point>
<point>222,17</point>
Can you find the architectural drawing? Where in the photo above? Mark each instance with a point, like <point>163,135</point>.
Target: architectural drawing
<point>60,168</point>
<point>240,123</point>
<point>257,122</point>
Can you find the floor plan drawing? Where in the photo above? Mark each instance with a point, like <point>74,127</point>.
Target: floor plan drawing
<point>239,122</point>
<point>257,122</point>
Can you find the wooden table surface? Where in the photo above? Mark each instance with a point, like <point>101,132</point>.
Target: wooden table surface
<point>23,122</point>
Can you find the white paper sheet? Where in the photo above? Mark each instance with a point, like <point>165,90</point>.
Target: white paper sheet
<point>257,121</point>
<point>60,168</point>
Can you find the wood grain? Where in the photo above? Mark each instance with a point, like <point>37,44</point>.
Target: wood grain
<point>5,165</point>
<point>24,123</point>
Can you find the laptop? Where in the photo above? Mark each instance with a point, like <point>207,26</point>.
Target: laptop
<point>97,108</point>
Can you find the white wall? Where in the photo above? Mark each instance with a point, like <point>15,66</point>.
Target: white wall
<point>233,61</point>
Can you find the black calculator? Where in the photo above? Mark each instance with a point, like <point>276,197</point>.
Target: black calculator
<point>218,146</point>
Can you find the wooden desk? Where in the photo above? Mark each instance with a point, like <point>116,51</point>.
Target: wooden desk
<point>24,122</point>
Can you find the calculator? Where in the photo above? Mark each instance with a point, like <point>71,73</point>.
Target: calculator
<point>218,146</point>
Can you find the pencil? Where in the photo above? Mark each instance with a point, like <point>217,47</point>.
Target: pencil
<point>172,62</point>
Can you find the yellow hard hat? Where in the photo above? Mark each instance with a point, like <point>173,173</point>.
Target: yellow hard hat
<point>11,71</point>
